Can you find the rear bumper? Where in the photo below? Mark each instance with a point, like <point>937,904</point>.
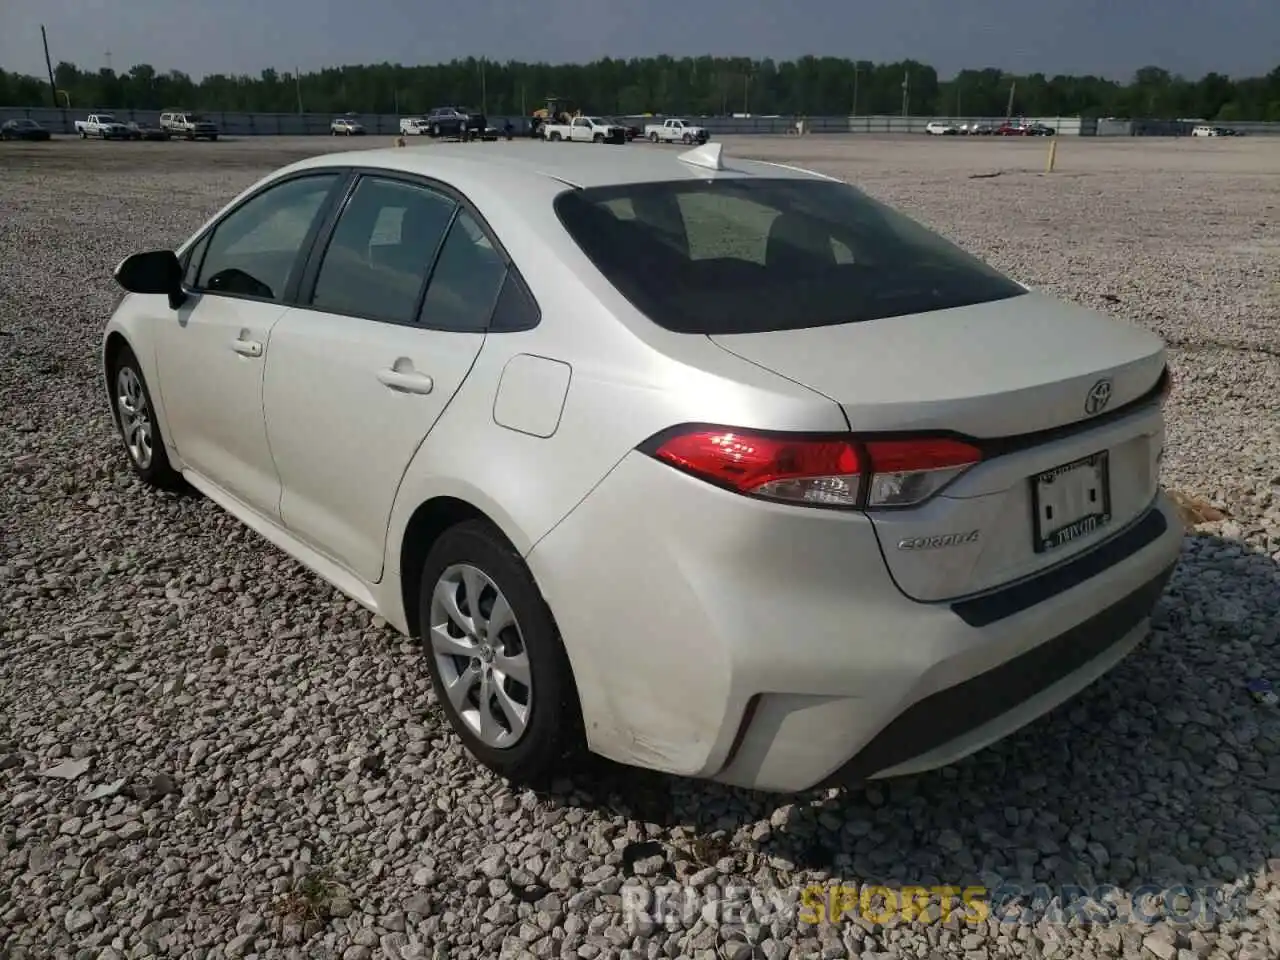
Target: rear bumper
<point>957,721</point>
<point>765,646</point>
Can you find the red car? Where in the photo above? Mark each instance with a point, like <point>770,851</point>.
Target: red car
<point>1019,128</point>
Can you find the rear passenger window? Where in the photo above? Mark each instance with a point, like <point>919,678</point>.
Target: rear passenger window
<point>381,249</point>
<point>465,284</point>
<point>516,309</point>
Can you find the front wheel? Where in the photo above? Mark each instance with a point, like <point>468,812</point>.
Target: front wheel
<point>598,138</point>
<point>135,418</point>
<point>498,667</point>
<point>686,139</point>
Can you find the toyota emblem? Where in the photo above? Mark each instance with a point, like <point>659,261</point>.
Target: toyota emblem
<point>1098,397</point>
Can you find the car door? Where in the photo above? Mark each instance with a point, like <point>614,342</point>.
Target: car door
<point>396,304</point>
<point>210,352</point>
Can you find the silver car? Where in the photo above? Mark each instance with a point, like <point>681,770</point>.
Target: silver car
<point>708,465</point>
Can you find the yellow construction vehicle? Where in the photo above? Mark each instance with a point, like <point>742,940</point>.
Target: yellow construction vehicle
<point>557,110</point>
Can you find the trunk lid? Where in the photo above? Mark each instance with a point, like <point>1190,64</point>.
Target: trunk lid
<point>996,369</point>
<point>993,371</point>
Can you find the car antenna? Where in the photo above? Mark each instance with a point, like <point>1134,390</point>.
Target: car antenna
<point>708,155</point>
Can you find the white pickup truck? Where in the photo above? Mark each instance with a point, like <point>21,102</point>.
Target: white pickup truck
<point>585,130</point>
<point>414,127</point>
<point>103,125</point>
<point>674,130</point>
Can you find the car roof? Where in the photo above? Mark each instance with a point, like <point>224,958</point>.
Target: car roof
<point>523,161</point>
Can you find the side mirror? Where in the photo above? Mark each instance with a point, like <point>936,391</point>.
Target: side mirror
<point>153,272</point>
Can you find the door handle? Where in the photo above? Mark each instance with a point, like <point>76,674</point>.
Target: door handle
<point>406,382</point>
<point>247,348</point>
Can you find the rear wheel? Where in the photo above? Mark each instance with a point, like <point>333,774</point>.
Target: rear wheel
<point>497,664</point>
<point>136,421</point>
<point>653,138</point>
<point>555,136</point>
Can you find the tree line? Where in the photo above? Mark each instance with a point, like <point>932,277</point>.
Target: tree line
<point>810,86</point>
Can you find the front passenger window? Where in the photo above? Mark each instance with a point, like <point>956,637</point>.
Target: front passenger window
<point>256,247</point>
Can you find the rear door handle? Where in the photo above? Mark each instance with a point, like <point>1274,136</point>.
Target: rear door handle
<point>247,348</point>
<point>406,382</point>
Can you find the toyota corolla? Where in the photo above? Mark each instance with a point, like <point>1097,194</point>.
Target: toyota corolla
<point>713,466</point>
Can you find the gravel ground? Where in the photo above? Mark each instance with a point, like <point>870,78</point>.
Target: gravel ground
<point>206,752</point>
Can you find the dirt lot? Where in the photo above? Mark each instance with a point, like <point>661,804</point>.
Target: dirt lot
<point>272,781</point>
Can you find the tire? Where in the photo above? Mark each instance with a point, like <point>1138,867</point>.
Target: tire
<point>83,135</point>
<point>555,136</point>
<point>130,405</point>
<point>435,130</point>
<point>653,138</point>
<point>686,139</point>
<point>552,733</point>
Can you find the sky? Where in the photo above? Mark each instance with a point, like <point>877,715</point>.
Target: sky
<point>1110,38</point>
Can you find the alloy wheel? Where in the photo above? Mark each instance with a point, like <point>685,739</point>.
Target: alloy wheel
<point>135,416</point>
<point>480,654</point>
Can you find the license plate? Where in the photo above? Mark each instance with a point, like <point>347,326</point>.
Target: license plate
<point>1071,501</point>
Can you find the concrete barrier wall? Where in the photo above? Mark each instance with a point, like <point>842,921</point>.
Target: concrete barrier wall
<point>294,124</point>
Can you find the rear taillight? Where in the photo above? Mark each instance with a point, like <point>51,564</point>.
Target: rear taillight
<point>906,472</point>
<point>828,471</point>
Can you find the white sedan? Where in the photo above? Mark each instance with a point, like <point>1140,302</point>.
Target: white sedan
<point>708,465</point>
<point>939,128</point>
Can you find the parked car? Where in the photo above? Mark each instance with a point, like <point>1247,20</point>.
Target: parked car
<point>941,128</point>
<point>414,127</point>
<point>141,130</point>
<point>23,129</point>
<point>632,131</point>
<point>1037,129</point>
<point>346,127</point>
<point>584,130</point>
<point>977,129</point>
<point>643,524</point>
<point>675,130</point>
<point>104,126</point>
<point>450,121</point>
<point>189,126</point>
<point>1205,130</point>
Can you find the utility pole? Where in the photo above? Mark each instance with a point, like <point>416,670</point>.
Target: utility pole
<point>53,86</point>
<point>857,67</point>
<point>484,91</point>
<point>1008,110</point>
<point>108,55</point>
<point>297,86</point>
<point>906,92</point>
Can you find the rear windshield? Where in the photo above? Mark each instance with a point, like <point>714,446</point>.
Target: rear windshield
<point>751,255</point>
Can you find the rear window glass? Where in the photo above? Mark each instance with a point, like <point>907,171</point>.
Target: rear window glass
<point>750,255</point>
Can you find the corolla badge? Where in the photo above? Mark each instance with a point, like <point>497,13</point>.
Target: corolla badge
<point>938,542</point>
<point>1098,397</point>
